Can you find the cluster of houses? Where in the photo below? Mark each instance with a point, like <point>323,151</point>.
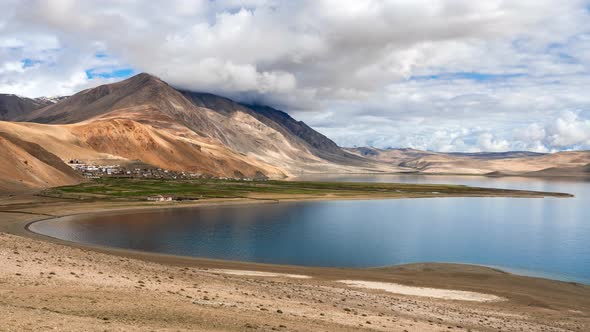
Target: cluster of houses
<point>91,171</point>
<point>98,171</point>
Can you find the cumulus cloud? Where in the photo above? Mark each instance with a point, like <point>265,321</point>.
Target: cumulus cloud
<point>569,131</point>
<point>488,142</point>
<point>441,75</point>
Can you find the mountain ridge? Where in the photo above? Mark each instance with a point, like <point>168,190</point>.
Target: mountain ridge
<point>526,163</point>
<point>144,118</point>
<point>13,106</point>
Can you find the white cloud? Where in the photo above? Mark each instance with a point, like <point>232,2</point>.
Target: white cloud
<point>11,67</point>
<point>569,131</point>
<point>487,142</point>
<point>442,75</point>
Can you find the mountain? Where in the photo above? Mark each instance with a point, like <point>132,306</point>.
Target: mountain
<point>261,133</point>
<point>143,118</point>
<point>392,156</point>
<point>447,163</point>
<point>13,107</point>
<point>122,141</point>
<point>319,142</point>
<point>497,155</point>
<point>482,163</point>
<point>575,171</point>
<point>25,165</point>
<point>299,134</point>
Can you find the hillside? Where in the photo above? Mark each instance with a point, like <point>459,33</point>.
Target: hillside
<point>121,141</point>
<point>269,136</point>
<point>143,118</point>
<point>569,163</point>
<point>25,165</point>
<point>298,134</point>
<point>575,171</point>
<point>13,107</point>
<point>392,156</point>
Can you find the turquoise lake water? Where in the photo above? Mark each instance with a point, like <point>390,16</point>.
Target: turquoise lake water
<point>547,237</point>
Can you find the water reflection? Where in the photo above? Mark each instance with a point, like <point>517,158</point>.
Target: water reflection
<point>542,236</point>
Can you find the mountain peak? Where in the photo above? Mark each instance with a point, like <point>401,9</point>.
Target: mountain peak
<point>144,78</point>
<point>141,89</point>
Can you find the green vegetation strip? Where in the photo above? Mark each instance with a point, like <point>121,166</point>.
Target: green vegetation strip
<point>139,189</point>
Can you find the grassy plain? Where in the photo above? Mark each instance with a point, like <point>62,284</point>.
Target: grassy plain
<point>139,189</point>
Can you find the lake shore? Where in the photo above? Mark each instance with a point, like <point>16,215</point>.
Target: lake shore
<point>98,288</point>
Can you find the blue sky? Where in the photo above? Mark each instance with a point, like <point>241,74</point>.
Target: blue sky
<point>27,63</point>
<point>118,73</point>
<point>474,76</point>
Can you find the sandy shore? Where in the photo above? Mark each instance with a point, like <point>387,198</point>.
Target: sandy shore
<point>47,284</point>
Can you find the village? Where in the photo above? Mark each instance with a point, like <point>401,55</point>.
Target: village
<point>92,171</point>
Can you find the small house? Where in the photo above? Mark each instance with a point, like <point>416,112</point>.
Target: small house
<point>159,198</point>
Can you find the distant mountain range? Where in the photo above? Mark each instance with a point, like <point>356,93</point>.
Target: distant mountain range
<point>13,106</point>
<point>522,163</point>
<point>145,119</point>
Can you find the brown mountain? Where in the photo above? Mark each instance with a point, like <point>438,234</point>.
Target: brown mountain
<point>25,165</point>
<point>13,107</point>
<point>262,133</point>
<point>299,133</point>
<point>571,171</point>
<point>392,156</point>
<point>570,163</point>
<point>143,118</point>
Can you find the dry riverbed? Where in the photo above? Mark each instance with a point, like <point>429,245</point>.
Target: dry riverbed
<point>50,285</point>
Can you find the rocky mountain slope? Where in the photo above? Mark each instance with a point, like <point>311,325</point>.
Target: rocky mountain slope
<point>13,107</point>
<point>265,134</point>
<point>143,118</point>
<point>26,165</point>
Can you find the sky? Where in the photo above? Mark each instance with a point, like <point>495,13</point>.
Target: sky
<point>456,75</point>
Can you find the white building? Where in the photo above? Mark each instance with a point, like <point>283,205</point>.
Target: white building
<point>159,198</point>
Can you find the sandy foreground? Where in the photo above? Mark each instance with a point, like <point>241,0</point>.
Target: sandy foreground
<point>51,285</point>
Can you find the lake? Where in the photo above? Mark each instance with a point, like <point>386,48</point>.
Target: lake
<point>548,237</point>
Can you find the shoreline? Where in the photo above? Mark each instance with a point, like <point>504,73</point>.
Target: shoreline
<point>267,267</point>
<point>367,293</point>
<point>51,286</point>
<point>226,263</point>
<point>108,209</point>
